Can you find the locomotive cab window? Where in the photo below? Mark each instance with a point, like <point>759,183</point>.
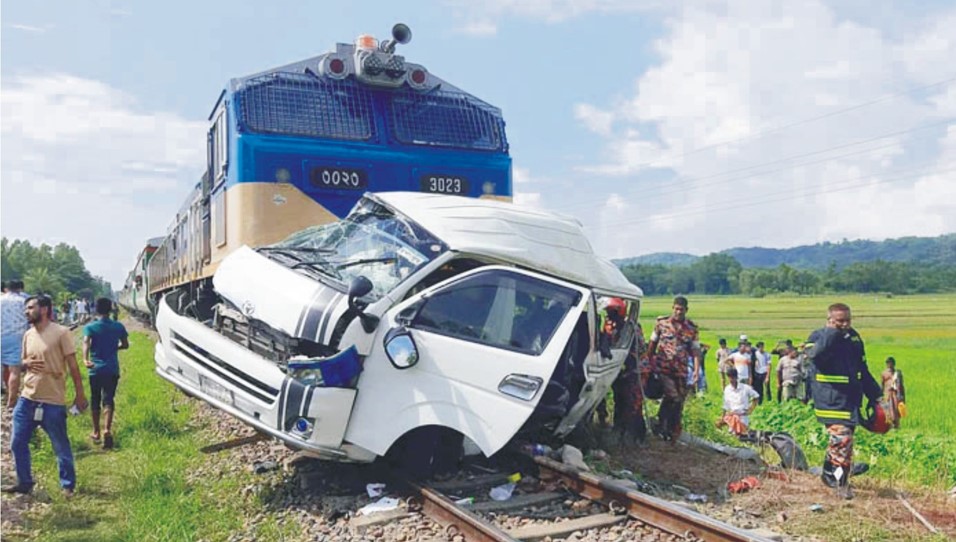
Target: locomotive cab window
<point>218,152</point>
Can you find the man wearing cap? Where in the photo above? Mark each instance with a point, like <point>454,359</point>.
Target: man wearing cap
<point>674,340</point>
<point>742,360</point>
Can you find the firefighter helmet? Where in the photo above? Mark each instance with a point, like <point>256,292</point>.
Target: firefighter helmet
<point>616,304</point>
<point>875,420</point>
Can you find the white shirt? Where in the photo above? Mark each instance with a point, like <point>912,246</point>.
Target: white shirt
<point>763,362</point>
<point>741,362</point>
<point>737,401</point>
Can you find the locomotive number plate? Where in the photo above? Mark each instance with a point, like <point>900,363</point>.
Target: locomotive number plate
<point>443,184</point>
<point>338,178</point>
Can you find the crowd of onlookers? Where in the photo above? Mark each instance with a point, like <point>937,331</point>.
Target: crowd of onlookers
<point>74,311</point>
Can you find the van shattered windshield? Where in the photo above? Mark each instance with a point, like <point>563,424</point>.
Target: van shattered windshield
<point>372,241</point>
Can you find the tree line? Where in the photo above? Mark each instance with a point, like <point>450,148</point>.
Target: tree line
<point>57,271</point>
<point>722,274</point>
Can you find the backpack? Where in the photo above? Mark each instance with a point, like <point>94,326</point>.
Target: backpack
<point>791,455</point>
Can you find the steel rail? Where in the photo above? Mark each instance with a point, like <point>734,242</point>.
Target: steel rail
<point>444,511</point>
<point>653,511</point>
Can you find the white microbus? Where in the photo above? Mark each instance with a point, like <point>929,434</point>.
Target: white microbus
<point>419,319</point>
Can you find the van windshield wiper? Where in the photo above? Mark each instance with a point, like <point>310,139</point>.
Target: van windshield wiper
<point>295,249</point>
<point>318,265</point>
<point>369,260</point>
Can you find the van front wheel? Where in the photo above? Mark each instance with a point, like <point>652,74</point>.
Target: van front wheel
<point>428,451</point>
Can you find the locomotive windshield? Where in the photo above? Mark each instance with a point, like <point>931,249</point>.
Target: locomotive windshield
<point>372,241</point>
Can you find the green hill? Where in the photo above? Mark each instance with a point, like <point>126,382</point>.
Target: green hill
<point>923,250</point>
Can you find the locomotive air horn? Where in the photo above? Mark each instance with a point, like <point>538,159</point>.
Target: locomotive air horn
<point>400,34</point>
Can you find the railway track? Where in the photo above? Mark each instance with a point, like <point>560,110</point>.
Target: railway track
<point>632,513</point>
<point>552,502</point>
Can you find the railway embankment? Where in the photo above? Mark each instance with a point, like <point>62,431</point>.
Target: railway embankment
<point>175,475</point>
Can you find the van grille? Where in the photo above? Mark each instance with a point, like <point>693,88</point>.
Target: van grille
<point>198,355</point>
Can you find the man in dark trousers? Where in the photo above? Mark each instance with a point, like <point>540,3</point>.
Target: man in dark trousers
<point>102,339</point>
<point>839,379</point>
<point>48,356</point>
<point>675,339</point>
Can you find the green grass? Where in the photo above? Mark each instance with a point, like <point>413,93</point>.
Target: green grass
<point>140,491</point>
<point>919,331</point>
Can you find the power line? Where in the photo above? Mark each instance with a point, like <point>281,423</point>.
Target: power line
<point>675,186</point>
<point>763,133</point>
<point>786,196</point>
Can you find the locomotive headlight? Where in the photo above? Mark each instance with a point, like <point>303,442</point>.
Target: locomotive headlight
<point>372,65</point>
<point>283,175</point>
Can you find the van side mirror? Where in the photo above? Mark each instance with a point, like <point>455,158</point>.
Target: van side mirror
<point>359,287</point>
<point>400,348</point>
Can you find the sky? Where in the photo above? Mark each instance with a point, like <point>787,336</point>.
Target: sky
<point>689,126</point>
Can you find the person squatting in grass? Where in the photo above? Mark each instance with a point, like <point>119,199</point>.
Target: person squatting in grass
<point>839,379</point>
<point>740,400</point>
<point>48,353</point>
<point>674,339</point>
<point>102,339</point>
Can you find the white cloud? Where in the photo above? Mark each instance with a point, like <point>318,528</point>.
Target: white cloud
<point>33,29</point>
<point>85,165</point>
<point>481,18</point>
<point>594,119</point>
<point>521,178</point>
<point>745,106</point>
<point>528,199</point>
<point>480,27</point>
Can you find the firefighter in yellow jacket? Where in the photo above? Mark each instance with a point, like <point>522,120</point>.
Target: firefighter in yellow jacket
<point>839,379</point>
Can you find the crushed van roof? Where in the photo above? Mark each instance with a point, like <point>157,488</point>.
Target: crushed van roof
<point>542,240</point>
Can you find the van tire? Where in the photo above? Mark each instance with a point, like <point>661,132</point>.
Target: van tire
<point>427,451</point>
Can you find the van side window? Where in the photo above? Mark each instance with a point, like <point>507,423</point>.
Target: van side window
<point>498,308</point>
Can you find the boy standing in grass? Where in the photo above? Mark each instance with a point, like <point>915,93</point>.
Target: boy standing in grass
<point>102,340</point>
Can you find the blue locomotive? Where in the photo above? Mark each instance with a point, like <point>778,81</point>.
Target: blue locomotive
<point>298,145</point>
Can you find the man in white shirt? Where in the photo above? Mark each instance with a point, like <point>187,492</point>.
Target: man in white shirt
<point>739,403</point>
<point>741,360</point>
<point>761,370</point>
